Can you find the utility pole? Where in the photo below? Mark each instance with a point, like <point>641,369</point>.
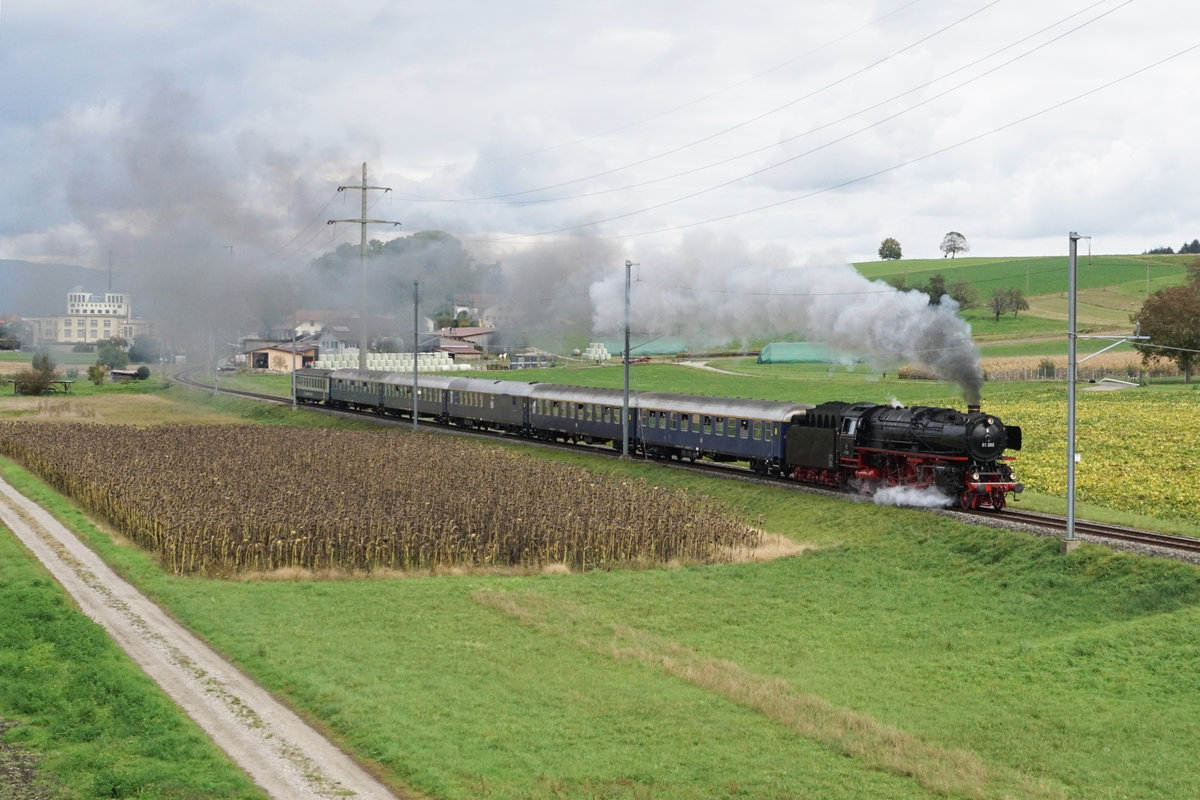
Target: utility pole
<point>625,404</point>
<point>362,261</point>
<point>1070,542</point>
<point>416,349</point>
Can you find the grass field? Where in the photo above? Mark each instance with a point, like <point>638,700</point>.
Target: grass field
<point>101,727</point>
<point>902,656</point>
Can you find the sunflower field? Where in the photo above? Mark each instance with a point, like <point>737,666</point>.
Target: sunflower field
<point>1137,449</point>
<point>224,499</point>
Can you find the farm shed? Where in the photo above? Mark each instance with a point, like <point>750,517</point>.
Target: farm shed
<point>796,353</point>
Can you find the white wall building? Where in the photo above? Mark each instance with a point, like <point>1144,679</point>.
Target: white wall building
<point>89,318</point>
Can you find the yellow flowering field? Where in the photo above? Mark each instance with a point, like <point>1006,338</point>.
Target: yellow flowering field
<point>1139,449</point>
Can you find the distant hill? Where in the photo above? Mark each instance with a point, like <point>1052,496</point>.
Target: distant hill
<point>39,290</point>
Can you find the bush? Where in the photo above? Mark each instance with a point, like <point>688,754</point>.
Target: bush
<point>143,372</point>
<point>98,372</point>
<point>31,382</point>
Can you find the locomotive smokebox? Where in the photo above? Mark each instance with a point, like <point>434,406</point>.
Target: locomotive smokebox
<point>972,408</point>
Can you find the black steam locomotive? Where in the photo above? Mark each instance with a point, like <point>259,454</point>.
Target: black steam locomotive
<point>860,446</point>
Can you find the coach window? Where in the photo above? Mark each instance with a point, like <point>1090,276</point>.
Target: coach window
<point>707,424</point>
<point>757,433</point>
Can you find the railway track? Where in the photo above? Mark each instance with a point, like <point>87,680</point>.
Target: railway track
<point>1184,546</point>
<point>1100,530</point>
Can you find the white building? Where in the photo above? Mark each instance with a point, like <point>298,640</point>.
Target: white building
<point>89,318</point>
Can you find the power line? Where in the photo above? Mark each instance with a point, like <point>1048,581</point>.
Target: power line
<point>843,184</point>
<point>696,101</point>
<point>822,127</point>
<point>731,128</point>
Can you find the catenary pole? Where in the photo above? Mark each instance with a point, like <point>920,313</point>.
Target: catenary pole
<point>1070,542</point>
<point>625,402</point>
<point>415,350</point>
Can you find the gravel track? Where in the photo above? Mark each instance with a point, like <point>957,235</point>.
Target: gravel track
<point>278,750</point>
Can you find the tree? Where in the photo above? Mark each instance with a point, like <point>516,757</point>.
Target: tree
<point>145,350</point>
<point>1016,300</point>
<point>998,302</point>
<point>38,379</point>
<point>1194,271</point>
<point>9,338</point>
<point>112,352</point>
<point>889,249</point>
<point>954,243</point>
<point>1171,318</point>
<point>963,293</point>
<point>936,288</point>
<point>1194,247</point>
<point>98,372</point>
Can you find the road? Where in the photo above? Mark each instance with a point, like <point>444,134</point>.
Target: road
<point>278,750</point>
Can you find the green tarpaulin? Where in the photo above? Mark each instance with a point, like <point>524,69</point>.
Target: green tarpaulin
<point>796,353</point>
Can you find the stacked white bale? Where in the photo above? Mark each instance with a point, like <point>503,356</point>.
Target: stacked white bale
<point>596,351</point>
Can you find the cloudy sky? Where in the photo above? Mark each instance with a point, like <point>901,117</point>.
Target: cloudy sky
<point>814,128</point>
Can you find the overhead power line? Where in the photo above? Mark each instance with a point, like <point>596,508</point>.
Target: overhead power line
<point>842,184</point>
<point>730,129</point>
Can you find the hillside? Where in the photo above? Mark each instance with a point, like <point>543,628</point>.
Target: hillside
<point>38,290</point>
<point>1111,287</point>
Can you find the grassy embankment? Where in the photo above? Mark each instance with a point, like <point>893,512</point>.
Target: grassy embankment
<point>943,660</point>
<point>103,728</point>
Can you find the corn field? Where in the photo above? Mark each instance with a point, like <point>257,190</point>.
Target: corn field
<point>219,500</point>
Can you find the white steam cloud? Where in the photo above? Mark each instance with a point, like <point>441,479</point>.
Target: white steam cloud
<point>716,292</point>
<point>909,496</point>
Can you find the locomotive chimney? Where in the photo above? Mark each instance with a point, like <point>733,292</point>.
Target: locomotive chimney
<point>972,408</point>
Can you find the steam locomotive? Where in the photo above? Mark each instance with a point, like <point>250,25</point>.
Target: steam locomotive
<point>858,446</point>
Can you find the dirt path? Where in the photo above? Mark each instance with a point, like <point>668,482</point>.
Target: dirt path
<point>704,365</point>
<point>279,751</point>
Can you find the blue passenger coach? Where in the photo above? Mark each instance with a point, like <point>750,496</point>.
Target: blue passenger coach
<point>722,429</point>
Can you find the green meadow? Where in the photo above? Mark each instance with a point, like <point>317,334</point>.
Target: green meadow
<point>901,654</point>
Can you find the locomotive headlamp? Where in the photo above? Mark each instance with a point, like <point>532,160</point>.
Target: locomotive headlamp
<point>974,476</point>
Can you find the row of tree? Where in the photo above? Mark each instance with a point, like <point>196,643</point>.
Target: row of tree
<point>1002,301</point>
<point>1193,248</point>
<point>952,244</point>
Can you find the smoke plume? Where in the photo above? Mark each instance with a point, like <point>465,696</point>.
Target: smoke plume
<point>715,291</point>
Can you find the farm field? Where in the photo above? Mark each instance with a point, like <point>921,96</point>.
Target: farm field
<point>993,666</point>
<point>885,653</point>
<point>900,655</point>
